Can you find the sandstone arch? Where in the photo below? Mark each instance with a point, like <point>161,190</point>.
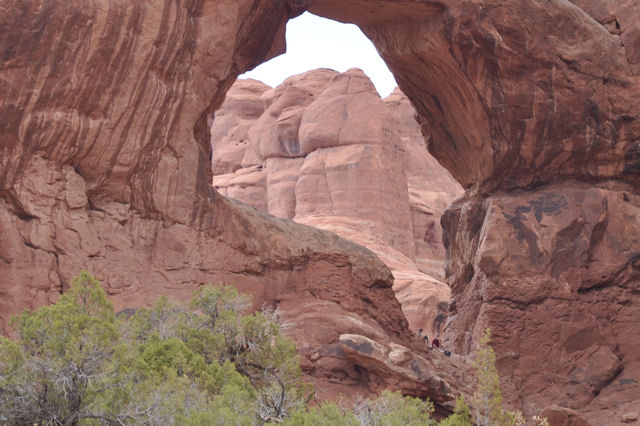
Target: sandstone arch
<point>104,146</point>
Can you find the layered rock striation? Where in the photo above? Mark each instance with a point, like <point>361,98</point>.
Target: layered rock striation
<point>525,101</point>
<point>104,165</point>
<point>323,149</point>
<point>534,107</point>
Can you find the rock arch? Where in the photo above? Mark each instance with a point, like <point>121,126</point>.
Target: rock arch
<point>533,106</point>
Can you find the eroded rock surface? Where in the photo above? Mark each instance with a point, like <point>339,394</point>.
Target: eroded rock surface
<point>515,95</point>
<point>410,370</point>
<point>323,149</point>
<point>104,165</point>
<point>528,103</point>
<point>555,274</point>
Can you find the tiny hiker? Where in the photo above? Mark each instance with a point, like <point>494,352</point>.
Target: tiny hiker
<point>424,336</point>
<point>435,343</point>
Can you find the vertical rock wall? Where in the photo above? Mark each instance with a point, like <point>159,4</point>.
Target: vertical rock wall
<point>103,113</point>
<point>534,107</point>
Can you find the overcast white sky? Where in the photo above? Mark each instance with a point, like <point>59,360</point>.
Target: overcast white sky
<point>314,42</point>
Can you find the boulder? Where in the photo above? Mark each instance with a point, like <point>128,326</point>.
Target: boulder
<point>562,416</point>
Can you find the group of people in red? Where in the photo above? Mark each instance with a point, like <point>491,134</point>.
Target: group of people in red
<point>435,343</point>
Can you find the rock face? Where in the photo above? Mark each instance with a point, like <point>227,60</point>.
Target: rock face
<point>535,108</point>
<point>104,165</point>
<point>514,94</point>
<point>323,149</point>
<point>525,101</point>
<point>560,266</point>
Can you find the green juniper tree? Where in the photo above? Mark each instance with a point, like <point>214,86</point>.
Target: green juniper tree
<point>76,363</point>
<point>69,364</point>
<point>487,399</point>
<point>461,414</point>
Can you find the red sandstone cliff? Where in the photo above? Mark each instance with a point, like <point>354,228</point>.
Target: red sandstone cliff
<point>323,149</point>
<point>104,165</point>
<point>532,105</point>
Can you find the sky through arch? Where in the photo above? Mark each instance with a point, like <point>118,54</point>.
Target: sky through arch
<point>314,42</point>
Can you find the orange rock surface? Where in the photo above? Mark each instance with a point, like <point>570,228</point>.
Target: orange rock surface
<point>104,164</point>
<point>326,151</point>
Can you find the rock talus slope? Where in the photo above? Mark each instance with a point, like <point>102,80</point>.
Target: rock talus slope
<point>323,149</point>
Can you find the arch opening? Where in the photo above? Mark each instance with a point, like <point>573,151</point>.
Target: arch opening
<point>508,115</point>
<point>314,42</point>
<point>517,96</point>
<point>326,148</point>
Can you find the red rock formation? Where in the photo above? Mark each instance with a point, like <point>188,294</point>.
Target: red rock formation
<point>554,274</point>
<point>535,108</point>
<point>514,94</point>
<point>104,165</point>
<point>323,149</point>
<point>111,99</point>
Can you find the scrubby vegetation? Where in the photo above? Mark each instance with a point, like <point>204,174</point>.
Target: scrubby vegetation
<point>487,400</point>
<point>76,363</point>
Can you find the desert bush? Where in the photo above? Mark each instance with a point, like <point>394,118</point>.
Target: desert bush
<point>487,399</point>
<point>76,363</point>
